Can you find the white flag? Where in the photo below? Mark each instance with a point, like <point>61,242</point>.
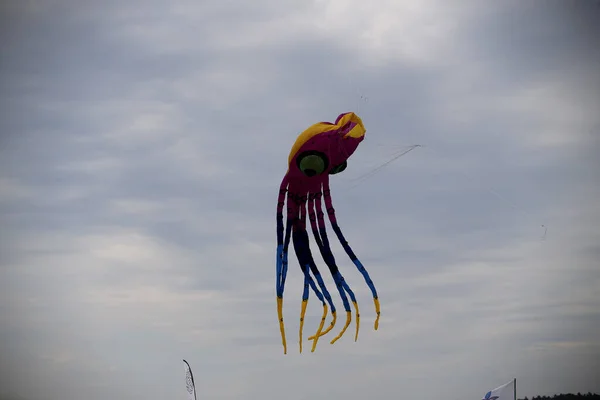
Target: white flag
<point>504,392</point>
<point>189,382</point>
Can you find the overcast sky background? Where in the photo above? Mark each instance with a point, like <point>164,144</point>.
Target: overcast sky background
<point>141,151</point>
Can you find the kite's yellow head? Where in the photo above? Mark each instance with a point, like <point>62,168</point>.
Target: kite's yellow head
<point>325,147</point>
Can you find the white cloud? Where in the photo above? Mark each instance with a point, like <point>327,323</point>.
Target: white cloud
<point>137,206</point>
<point>11,190</point>
<point>385,32</point>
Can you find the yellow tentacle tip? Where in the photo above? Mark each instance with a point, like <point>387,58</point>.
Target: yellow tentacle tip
<point>281,326</point>
<point>302,313</point>
<point>377,310</point>
<point>318,334</point>
<point>329,328</point>
<point>348,319</point>
<point>357,320</point>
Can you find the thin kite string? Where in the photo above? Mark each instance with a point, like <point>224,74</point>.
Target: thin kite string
<point>495,193</point>
<point>362,178</point>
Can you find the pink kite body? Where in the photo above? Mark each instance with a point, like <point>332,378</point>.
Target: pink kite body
<point>320,151</point>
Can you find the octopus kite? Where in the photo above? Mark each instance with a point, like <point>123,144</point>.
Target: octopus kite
<point>321,150</point>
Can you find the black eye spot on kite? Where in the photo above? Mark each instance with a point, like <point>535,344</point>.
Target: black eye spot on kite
<point>338,168</point>
<point>312,163</point>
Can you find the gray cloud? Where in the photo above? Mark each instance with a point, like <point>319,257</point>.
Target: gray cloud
<point>141,152</point>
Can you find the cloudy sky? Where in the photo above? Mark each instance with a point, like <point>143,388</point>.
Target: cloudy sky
<point>141,151</point>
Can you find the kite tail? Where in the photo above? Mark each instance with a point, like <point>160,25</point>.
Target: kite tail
<point>323,317</point>
<point>304,304</point>
<point>335,273</point>
<point>307,263</point>
<point>308,281</point>
<point>348,249</point>
<point>282,253</point>
<point>313,223</point>
<point>280,281</point>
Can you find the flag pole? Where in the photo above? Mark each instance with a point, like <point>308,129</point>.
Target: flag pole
<point>515,388</point>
